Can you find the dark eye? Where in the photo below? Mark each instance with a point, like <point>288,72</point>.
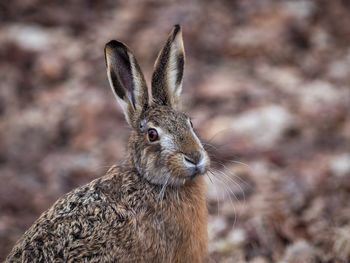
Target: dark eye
<point>191,123</point>
<point>152,135</point>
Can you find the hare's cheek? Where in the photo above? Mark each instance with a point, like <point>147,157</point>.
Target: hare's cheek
<point>144,157</point>
<point>150,152</point>
<point>175,165</point>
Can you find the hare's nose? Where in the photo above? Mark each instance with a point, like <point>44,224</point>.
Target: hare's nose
<point>189,160</point>
<point>195,162</point>
<point>193,158</point>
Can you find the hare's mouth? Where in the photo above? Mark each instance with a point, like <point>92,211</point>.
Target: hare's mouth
<point>197,166</point>
<point>194,171</point>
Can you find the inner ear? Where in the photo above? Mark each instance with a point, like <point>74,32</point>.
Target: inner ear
<point>168,72</point>
<point>124,67</point>
<point>126,80</point>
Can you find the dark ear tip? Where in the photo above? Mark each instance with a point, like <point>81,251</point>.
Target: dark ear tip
<point>114,44</point>
<point>177,29</point>
<point>177,26</point>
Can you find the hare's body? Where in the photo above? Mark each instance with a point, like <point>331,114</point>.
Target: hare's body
<point>152,207</point>
<point>119,218</point>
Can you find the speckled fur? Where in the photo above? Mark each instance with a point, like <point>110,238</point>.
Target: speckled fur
<point>124,216</point>
<point>117,218</point>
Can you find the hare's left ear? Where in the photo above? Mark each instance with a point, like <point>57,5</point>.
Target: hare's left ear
<point>168,71</point>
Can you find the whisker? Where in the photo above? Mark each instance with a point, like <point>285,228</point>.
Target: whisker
<point>227,180</point>
<point>234,175</point>
<point>213,137</point>
<point>216,195</point>
<point>227,190</point>
<point>209,178</point>
<point>238,162</point>
<point>224,178</point>
<point>231,180</point>
<point>210,145</point>
<point>162,191</point>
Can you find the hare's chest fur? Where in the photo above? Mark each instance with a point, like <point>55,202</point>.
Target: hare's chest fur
<point>177,226</point>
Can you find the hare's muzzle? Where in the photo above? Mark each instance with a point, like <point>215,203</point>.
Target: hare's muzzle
<point>196,163</point>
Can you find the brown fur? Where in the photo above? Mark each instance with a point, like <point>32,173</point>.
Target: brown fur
<point>150,208</point>
<point>117,218</point>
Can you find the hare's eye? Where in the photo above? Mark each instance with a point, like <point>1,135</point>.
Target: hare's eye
<point>152,134</point>
<point>191,123</point>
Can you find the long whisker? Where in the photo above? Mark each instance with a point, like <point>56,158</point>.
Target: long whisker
<point>209,178</point>
<point>230,180</point>
<point>210,145</point>
<point>223,182</point>
<point>224,185</point>
<point>162,191</point>
<point>234,175</point>
<point>238,162</point>
<point>213,137</point>
<point>216,195</point>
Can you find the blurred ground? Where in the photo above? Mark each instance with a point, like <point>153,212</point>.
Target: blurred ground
<point>267,86</point>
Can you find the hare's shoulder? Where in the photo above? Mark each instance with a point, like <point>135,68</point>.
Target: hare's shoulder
<point>96,199</point>
<point>96,211</point>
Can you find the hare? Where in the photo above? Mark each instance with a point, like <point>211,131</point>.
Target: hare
<point>151,207</point>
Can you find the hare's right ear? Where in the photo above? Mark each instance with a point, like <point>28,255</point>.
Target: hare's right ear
<point>126,80</point>
<point>168,71</point>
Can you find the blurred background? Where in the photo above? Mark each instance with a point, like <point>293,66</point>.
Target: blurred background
<point>266,85</point>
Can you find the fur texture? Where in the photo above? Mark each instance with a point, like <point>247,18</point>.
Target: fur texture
<point>151,207</point>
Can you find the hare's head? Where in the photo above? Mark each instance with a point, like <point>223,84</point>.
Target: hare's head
<point>164,146</point>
